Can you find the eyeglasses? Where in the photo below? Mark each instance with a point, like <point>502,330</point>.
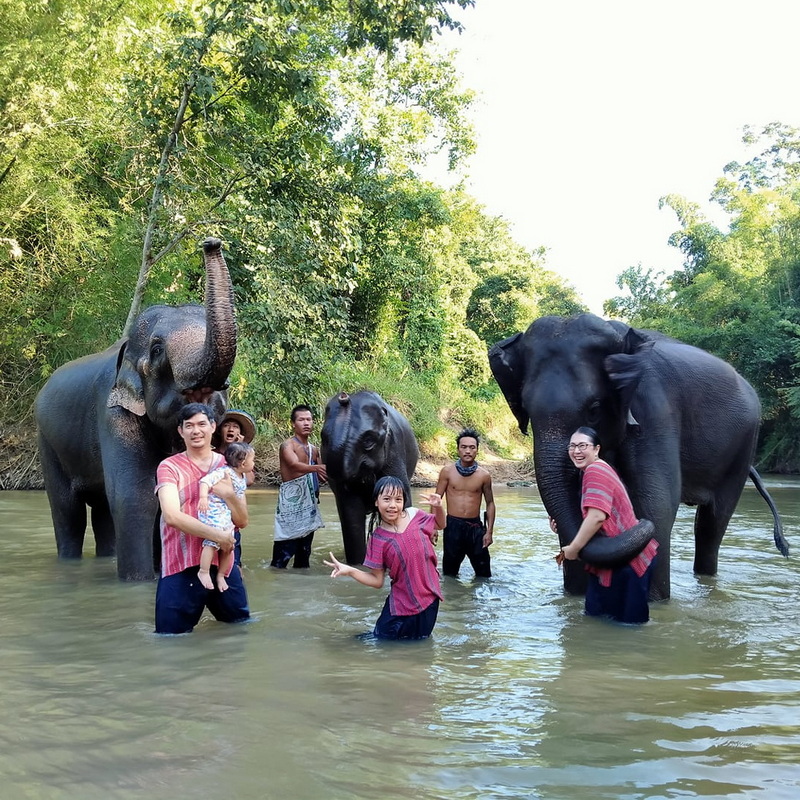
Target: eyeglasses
<point>580,447</point>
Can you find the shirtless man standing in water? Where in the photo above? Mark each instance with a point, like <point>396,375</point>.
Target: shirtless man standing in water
<point>465,485</point>
<point>299,460</point>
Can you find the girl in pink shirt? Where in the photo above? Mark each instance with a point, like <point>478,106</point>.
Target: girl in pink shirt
<point>401,544</point>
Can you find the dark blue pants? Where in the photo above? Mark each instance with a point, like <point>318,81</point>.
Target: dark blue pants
<point>414,626</point>
<point>181,598</point>
<point>464,537</point>
<point>625,600</point>
<point>285,549</point>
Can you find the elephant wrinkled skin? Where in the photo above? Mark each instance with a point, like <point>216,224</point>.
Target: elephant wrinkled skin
<point>105,421</point>
<point>678,425</point>
<point>363,439</point>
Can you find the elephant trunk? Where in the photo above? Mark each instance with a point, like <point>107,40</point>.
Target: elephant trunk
<point>220,344</point>
<point>559,486</point>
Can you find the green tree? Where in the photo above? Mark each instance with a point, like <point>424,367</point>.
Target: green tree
<point>737,292</point>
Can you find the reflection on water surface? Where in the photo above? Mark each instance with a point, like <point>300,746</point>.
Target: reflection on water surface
<point>517,695</point>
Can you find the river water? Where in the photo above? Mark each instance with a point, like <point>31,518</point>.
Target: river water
<point>517,694</point>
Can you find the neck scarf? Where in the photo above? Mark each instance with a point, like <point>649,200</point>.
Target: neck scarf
<point>465,471</point>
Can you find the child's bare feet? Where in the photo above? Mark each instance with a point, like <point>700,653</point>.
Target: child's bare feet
<point>222,584</point>
<point>205,579</point>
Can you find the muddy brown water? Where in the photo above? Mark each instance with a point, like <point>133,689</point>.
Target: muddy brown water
<point>517,694</point>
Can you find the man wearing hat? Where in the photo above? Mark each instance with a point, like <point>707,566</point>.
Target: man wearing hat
<point>236,426</point>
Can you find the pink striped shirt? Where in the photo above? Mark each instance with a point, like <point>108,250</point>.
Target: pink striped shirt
<point>602,489</point>
<point>411,561</point>
<point>180,550</point>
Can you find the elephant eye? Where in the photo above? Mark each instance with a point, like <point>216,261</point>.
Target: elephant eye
<point>368,441</point>
<point>156,350</point>
<point>593,412</point>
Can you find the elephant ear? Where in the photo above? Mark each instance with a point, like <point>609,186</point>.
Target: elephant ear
<point>127,390</point>
<point>508,368</point>
<point>626,369</point>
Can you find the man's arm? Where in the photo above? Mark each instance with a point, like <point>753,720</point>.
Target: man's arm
<point>171,513</point>
<point>322,470</point>
<point>444,480</point>
<point>491,511</point>
<point>291,461</point>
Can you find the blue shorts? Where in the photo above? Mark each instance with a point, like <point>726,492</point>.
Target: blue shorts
<point>414,626</point>
<point>181,599</point>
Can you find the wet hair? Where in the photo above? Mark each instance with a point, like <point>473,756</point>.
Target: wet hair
<point>471,433</point>
<point>299,408</point>
<point>590,433</point>
<point>190,409</point>
<point>381,485</point>
<point>236,453</point>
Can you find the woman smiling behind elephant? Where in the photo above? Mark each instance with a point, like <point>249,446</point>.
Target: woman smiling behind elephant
<point>619,593</point>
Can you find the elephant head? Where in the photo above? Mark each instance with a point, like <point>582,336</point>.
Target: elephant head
<point>363,439</point>
<point>563,373</point>
<point>354,435</point>
<point>177,355</point>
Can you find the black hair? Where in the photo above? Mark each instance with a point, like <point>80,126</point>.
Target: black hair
<point>591,433</point>
<point>381,485</point>
<point>190,409</point>
<point>472,433</point>
<point>301,407</point>
<point>236,453</point>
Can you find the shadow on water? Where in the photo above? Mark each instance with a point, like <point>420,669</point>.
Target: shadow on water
<point>517,694</point>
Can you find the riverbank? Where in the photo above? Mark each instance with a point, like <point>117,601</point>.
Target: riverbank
<point>21,469</point>
<point>425,475</point>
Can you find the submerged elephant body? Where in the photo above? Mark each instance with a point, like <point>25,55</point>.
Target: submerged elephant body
<point>363,439</point>
<point>678,425</point>
<point>105,421</point>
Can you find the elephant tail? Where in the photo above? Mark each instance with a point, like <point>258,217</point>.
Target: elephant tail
<point>777,530</point>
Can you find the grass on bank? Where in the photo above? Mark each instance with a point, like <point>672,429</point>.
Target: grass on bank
<point>435,407</point>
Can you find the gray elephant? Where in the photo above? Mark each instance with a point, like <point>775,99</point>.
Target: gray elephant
<point>363,439</point>
<point>678,424</point>
<point>105,421</point>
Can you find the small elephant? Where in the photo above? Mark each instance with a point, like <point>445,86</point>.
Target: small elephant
<point>105,421</point>
<point>678,425</point>
<point>363,439</point>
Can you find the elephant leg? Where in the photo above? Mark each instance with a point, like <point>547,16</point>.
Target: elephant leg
<point>134,541</point>
<point>710,524</point>
<point>67,508</point>
<point>102,526</point>
<point>134,509</point>
<point>575,577</point>
<point>353,517</point>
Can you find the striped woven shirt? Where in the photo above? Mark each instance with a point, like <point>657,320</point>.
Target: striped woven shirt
<point>411,562</point>
<point>602,489</point>
<point>180,550</point>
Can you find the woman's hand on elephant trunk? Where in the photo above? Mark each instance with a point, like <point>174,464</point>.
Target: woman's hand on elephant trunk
<point>570,552</point>
<point>592,523</point>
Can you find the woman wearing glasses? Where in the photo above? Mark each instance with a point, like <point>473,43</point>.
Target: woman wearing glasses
<point>619,593</point>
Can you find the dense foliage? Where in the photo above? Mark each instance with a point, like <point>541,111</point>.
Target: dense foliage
<point>737,294</point>
<point>295,130</point>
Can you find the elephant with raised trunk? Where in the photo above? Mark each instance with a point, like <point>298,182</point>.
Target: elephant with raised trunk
<point>105,421</point>
<point>363,439</point>
<point>678,425</point>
